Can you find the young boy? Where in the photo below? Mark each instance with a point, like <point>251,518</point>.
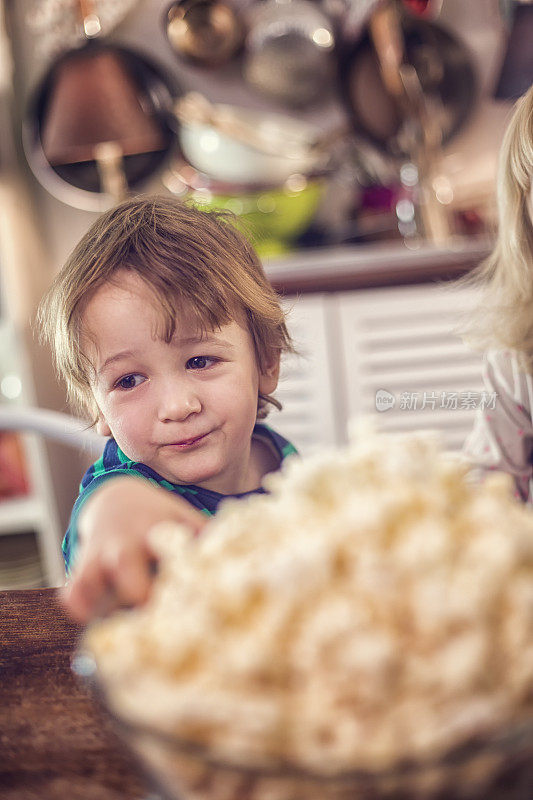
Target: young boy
<point>168,333</point>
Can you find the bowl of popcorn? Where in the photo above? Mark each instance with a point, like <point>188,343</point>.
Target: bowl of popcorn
<point>365,630</point>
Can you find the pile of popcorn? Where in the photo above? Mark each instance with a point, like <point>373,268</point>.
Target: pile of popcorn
<point>376,605</point>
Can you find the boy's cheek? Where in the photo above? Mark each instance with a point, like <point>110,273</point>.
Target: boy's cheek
<point>102,427</point>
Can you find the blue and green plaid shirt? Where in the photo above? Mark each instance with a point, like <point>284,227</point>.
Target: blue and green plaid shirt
<point>114,462</point>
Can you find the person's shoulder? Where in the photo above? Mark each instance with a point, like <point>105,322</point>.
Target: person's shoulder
<point>508,367</point>
<point>504,359</point>
<point>508,374</point>
<point>281,445</point>
<point>112,462</point>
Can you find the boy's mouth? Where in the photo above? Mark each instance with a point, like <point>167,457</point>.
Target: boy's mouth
<point>185,443</point>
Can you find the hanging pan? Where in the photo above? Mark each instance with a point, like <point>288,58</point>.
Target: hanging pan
<point>98,124</point>
<point>206,32</point>
<point>444,71</point>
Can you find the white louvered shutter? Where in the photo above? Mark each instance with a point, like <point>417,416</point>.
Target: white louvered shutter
<point>404,340</point>
<point>305,387</point>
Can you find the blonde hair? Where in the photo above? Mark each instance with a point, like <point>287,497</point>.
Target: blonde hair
<point>504,317</point>
<point>187,257</point>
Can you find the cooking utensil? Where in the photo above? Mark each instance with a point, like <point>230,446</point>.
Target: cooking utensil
<point>443,69</point>
<point>242,145</point>
<point>420,132</point>
<point>91,96</point>
<point>289,51</point>
<point>109,162</point>
<point>206,31</point>
<point>273,217</point>
<point>94,99</point>
<point>516,73</point>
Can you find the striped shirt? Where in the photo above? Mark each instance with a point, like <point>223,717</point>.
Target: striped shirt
<point>114,462</point>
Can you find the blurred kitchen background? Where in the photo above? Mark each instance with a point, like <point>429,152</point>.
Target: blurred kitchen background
<point>357,142</point>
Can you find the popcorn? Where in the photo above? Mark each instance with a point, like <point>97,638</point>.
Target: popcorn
<point>376,606</point>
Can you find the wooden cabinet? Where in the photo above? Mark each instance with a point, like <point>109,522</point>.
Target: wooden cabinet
<point>307,385</point>
<point>402,342</point>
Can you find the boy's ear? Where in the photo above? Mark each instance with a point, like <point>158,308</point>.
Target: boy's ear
<point>268,379</point>
<point>102,427</point>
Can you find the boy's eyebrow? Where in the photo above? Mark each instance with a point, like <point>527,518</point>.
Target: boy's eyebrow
<point>208,338</point>
<point>113,358</point>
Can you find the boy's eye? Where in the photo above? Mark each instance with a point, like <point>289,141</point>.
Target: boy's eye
<point>200,362</point>
<point>129,381</point>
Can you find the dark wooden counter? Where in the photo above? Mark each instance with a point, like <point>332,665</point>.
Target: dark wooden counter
<point>355,267</point>
<point>55,744</point>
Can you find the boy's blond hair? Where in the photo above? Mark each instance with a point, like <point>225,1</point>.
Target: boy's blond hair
<point>504,318</point>
<point>188,257</point>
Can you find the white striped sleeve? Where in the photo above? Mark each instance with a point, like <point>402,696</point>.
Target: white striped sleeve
<point>502,436</point>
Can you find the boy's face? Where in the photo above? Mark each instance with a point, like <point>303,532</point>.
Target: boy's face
<point>185,408</point>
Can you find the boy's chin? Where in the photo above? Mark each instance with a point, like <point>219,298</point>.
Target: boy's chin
<point>207,470</point>
<point>203,477</point>
<point>210,480</point>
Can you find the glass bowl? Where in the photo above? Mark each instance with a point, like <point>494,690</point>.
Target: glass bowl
<point>273,216</point>
<point>497,766</point>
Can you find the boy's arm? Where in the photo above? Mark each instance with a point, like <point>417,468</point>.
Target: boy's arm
<point>115,563</point>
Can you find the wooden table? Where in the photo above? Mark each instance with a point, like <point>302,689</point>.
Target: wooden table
<point>55,744</point>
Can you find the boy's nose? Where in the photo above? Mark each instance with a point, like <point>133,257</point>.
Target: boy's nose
<point>177,402</point>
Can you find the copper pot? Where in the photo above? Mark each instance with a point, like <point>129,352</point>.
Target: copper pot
<point>205,31</point>
<point>99,121</point>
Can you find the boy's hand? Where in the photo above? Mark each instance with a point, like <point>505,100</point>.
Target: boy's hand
<point>116,564</point>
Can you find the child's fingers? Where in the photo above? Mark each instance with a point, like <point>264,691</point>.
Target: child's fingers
<point>118,568</point>
<point>133,578</point>
<point>82,596</point>
<point>96,591</point>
